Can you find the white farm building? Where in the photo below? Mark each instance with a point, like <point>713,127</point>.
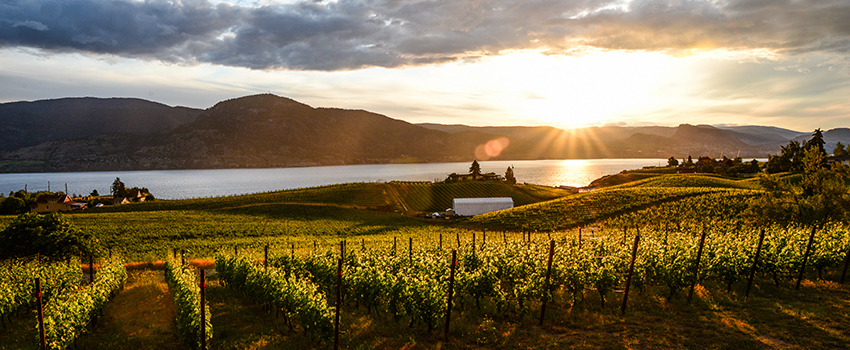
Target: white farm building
<point>475,206</point>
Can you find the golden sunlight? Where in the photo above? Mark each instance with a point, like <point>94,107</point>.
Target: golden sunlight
<point>586,89</point>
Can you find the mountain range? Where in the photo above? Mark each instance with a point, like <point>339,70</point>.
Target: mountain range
<point>93,134</point>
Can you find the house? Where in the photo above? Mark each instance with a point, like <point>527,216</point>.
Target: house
<point>136,196</point>
<point>120,200</point>
<point>55,202</point>
<point>454,177</point>
<point>476,206</point>
<point>838,160</point>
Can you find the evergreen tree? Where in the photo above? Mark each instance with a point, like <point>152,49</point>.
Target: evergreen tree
<point>817,141</point>
<point>118,189</point>
<point>475,168</point>
<point>509,175</point>
<point>840,150</point>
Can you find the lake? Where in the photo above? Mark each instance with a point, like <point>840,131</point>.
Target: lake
<point>180,184</point>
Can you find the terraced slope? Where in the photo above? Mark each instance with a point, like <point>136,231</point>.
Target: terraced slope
<point>692,180</point>
<point>585,208</point>
<point>427,196</point>
<point>422,196</point>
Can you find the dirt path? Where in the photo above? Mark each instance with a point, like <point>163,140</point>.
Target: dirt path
<point>141,316</point>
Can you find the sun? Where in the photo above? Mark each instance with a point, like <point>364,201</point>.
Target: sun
<point>572,91</point>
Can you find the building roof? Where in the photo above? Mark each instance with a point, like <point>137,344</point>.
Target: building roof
<point>484,200</point>
<point>50,198</point>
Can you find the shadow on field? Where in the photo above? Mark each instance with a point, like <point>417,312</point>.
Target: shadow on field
<point>141,316</point>
<point>239,323</point>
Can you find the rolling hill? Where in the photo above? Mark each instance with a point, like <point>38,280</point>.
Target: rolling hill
<point>32,123</point>
<point>88,134</point>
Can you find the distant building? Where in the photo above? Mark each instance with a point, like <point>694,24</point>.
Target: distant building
<point>55,202</point>
<point>476,206</point>
<point>838,159</point>
<point>136,196</point>
<point>453,177</point>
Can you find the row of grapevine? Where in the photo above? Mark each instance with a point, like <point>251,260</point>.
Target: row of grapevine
<point>187,299</point>
<point>17,278</point>
<point>67,315</point>
<point>692,180</point>
<point>725,209</point>
<point>585,208</point>
<point>297,297</point>
<point>512,275</point>
<point>412,286</point>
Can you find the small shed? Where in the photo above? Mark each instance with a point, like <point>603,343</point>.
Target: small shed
<point>475,206</point>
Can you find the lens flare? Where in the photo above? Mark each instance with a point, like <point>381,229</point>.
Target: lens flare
<point>492,148</point>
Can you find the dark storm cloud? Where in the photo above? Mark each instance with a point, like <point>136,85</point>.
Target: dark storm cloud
<point>351,34</point>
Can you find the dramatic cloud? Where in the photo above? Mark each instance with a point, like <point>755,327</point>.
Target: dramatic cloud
<point>353,34</point>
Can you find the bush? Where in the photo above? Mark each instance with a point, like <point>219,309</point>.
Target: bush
<point>49,235</point>
<point>12,205</point>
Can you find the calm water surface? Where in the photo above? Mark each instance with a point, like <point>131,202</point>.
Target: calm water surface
<point>179,184</point>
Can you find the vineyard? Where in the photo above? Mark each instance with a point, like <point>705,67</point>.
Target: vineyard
<point>665,262</point>
<point>67,307</point>
<point>429,197</point>
<point>693,180</point>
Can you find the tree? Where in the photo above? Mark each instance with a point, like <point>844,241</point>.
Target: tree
<point>12,205</point>
<point>49,235</point>
<point>672,161</point>
<point>118,189</point>
<point>475,169</point>
<point>94,193</point>
<point>816,141</point>
<point>509,175</point>
<point>754,166</point>
<point>840,150</point>
<point>820,198</point>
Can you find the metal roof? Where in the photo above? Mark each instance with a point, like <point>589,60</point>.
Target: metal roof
<point>484,200</point>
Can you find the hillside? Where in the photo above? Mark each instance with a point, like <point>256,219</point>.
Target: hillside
<point>830,137</point>
<point>254,131</point>
<point>31,123</point>
<point>633,142</point>
<point>262,131</point>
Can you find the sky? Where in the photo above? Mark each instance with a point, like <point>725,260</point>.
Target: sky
<point>562,63</point>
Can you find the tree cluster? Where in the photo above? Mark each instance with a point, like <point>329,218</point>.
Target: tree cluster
<point>49,235</point>
<point>20,202</point>
<point>119,190</point>
<point>820,197</point>
<point>791,156</point>
<point>723,166</point>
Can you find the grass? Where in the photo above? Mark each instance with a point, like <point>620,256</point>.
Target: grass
<point>583,208</point>
<point>150,235</point>
<point>148,231</point>
<point>693,180</point>
<point>140,317</point>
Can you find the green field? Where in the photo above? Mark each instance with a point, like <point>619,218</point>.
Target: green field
<point>395,295</point>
